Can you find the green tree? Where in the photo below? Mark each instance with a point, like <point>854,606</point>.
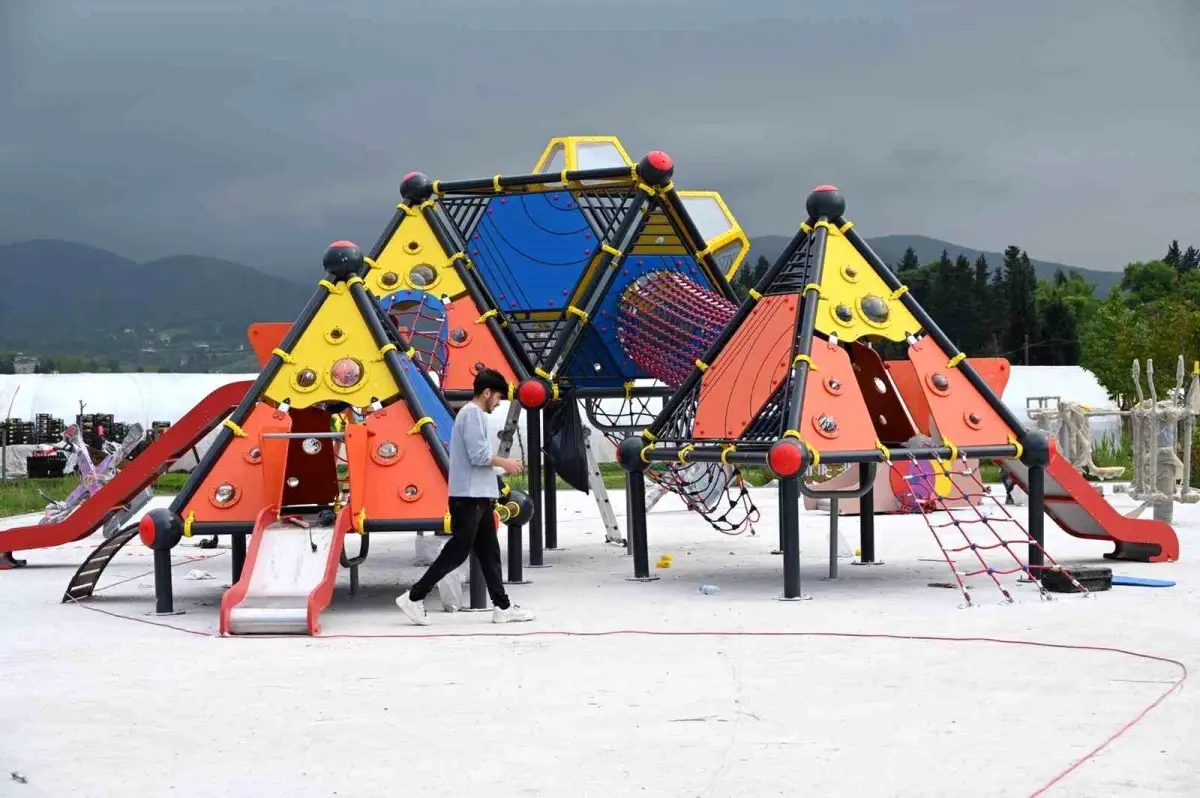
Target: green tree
<point>1144,283</point>
<point>1189,261</point>
<point>909,260</point>
<point>1173,256</point>
<point>1109,343</point>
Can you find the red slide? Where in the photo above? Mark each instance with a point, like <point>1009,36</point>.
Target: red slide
<point>172,444</point>
<point>1076,507</point>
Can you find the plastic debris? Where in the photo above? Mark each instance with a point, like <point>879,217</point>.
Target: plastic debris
<point>710,590</point>
<point>196,574</point>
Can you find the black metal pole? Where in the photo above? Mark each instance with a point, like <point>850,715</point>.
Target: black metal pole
<point>1037,516</point>
<point>533,419</point>
<point>164,598</point>
<point>806,319</point>
<point>866,526</point>
<point>833,538</point>
<point>550,504</point>
<point>515,574</point>
<point>479,594</point>
<point>635,482</point>
<point>629,518</point>
<point>789,525</point>
<point>238,546</point>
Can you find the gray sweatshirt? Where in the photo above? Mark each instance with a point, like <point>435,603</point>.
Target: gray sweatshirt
<point>470,454</point>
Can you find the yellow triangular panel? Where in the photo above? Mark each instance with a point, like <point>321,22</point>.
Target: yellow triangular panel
<point>414,259</point>
<point>337,336</point>
<point>855,302</point>
<point>581,152</point>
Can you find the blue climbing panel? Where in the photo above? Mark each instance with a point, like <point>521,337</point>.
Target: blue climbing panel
<point>531,249</point>
<point>601,345</point>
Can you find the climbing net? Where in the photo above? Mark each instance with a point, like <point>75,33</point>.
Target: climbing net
<point>717,492</point>
<point>421,318</point>
<point>978,531</point>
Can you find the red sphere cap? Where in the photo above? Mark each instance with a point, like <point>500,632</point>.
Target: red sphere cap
<point>341,244</point>
<point>146,531</point>
<point>532,393</point>
<point>785,458</point>
<point>660,161</point>
<point>826,187</point>
<point>410,175</point>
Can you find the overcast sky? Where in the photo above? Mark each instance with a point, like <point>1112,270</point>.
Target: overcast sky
<point>259,130</point>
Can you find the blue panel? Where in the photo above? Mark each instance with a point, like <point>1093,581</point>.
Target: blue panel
<point>531,249</point>
<point>601,344</point>
<point>427,401</point>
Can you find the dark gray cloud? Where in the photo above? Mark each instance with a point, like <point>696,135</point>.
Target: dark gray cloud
<point>259,130</point>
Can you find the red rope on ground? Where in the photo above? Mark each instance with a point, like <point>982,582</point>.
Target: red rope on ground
<point>1075,765</point>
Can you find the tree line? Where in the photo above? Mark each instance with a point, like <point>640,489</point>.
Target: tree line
<point>1005,310</point>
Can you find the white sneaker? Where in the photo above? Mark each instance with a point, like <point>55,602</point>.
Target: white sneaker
<point>513,614</point>
<point>415,610</point>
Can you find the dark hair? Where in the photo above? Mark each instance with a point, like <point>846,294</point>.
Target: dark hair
<point>490,378</point>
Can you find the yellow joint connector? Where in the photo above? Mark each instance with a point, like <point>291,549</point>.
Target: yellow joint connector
<point>446,522</point>
<point>512,391</point>
<point>383,350</point>
<point>611,250</point>
<point>648,435</point>
<point>754,295</point>
<point>704,253</point>
<point>899,292</point>
<point>407,210</point>
<point>846,228</point>
<point>953,449</point>
<point>354,279</point>
<point>457,256</point>
<point>496,184</point>
<point>725,450</point>
<point>798,359</point>
<point>284,356</point>
<point>360,521</point>
<point>554,391</point>
<point>628,390</point>
<point>562,177</point>
<point>812,287</point>
<point>642,453</point>
<point>887,453</point>
<point>427,204</point>
<point>792,433</point>
<point>824,224</point>
<point>805,227</point>
<point>1017,443</point>
<point>645,189</point>
<point>411,352</point>
<point>187,524</point>
<point>422,421</point>
<point>437,187</point>
<point>700,364</point>
<point>954,361</point>
<point>238,431</point>
<point>541,372</point>
<point>487,314</point>
<point>370,262</point>
<point>574,311</point>
<point>683,453</point>
<point>330,287</point>
<point>670,186</point>
<point>812,453</point>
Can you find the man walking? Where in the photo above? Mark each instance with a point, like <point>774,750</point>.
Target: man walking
<point>473,491</point>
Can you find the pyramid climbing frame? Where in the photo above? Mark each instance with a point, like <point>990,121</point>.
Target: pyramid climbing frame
<point>790,383</point>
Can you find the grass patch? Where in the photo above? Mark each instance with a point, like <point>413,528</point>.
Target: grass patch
<point>19,496</point>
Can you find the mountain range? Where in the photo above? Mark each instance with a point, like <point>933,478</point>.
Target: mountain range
<point>189,312</point>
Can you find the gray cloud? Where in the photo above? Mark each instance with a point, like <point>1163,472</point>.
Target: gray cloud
<point>259,132</point>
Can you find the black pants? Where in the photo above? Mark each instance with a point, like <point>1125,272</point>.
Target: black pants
<point>472,528</point>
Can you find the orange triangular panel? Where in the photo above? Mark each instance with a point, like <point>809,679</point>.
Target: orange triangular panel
<point>834,417</point>
<point>960,413</point>
<point>748,370</point>
<point>470,346</point>
<point>393,474</point>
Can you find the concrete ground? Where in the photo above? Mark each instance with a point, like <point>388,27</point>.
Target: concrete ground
<point>619,687</point>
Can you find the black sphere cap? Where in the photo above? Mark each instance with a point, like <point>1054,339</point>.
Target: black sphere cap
<point>415,188</point>
<point>524,507</point>
<point>825,202</point>
<point>629,454</point>
<point>656,169</point>
<point>161,529</point>
<point>1035,448</point>
<point>343,260</point>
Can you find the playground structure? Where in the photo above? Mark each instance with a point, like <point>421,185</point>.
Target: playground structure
<point>633,316</point>
<point>792,382</point>
<point>1161,439</point>
<point>550,278</point>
